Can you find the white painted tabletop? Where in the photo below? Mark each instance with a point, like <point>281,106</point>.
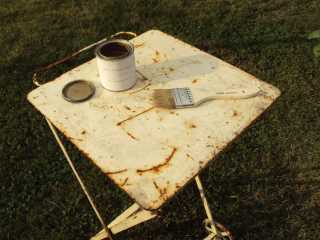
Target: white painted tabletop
<point>149,152</point>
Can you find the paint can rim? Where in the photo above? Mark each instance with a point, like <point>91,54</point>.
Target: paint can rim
<point>124,43</point>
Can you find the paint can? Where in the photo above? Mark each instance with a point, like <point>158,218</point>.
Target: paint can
<point>116,65</point>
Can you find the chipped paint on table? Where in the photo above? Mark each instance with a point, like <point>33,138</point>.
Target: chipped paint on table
<point>149,152</point>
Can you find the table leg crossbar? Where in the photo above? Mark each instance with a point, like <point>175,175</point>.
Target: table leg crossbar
<point>135,215</point>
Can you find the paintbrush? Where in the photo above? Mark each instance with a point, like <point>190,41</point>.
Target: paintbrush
<point>184,98</point>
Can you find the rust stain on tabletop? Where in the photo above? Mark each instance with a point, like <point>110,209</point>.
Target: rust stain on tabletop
<point>72,138</point>
<point>158,167</point>
<point>235,113</point>
<point>144,78</point>
<point>124,182</point>
<point>190,125</point>
<point>270,98</point>
<point>134,116</point>
<point>130,135</point>
<point>162,191</point>
<point>116,172</point>
<point>156,59</point>
<point>189,156</point>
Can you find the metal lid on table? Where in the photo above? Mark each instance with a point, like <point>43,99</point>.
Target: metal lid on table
<point>78,91</point>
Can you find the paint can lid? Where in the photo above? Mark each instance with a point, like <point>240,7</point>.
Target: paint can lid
<point>78,91</point>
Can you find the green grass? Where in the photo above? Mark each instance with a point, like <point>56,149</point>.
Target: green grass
<point>265,186</point>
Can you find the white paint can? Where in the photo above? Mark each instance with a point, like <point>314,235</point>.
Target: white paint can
<point>116,65</point>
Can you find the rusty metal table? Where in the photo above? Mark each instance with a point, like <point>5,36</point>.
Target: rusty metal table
<point>148,152</point>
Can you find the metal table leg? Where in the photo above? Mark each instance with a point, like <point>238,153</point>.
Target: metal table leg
<point>83,187</point>
<point>216,230</point>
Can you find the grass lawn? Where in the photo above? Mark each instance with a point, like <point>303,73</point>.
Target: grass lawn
<point>265,186</point>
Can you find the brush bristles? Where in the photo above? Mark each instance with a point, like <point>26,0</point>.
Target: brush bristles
<point>163,98</point>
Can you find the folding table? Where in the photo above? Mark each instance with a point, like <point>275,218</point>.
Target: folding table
<point>152,153</point>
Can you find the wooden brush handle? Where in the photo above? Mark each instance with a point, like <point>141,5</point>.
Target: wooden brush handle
<point>227,95</point>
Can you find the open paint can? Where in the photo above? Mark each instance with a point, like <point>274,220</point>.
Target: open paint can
<point>116,65</point>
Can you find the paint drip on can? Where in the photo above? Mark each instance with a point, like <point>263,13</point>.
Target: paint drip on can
<point>116,65</point>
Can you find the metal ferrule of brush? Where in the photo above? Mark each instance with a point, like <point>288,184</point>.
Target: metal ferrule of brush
<point>182,97</point>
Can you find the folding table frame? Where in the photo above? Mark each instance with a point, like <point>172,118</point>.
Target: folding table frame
<point>138,213</point>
